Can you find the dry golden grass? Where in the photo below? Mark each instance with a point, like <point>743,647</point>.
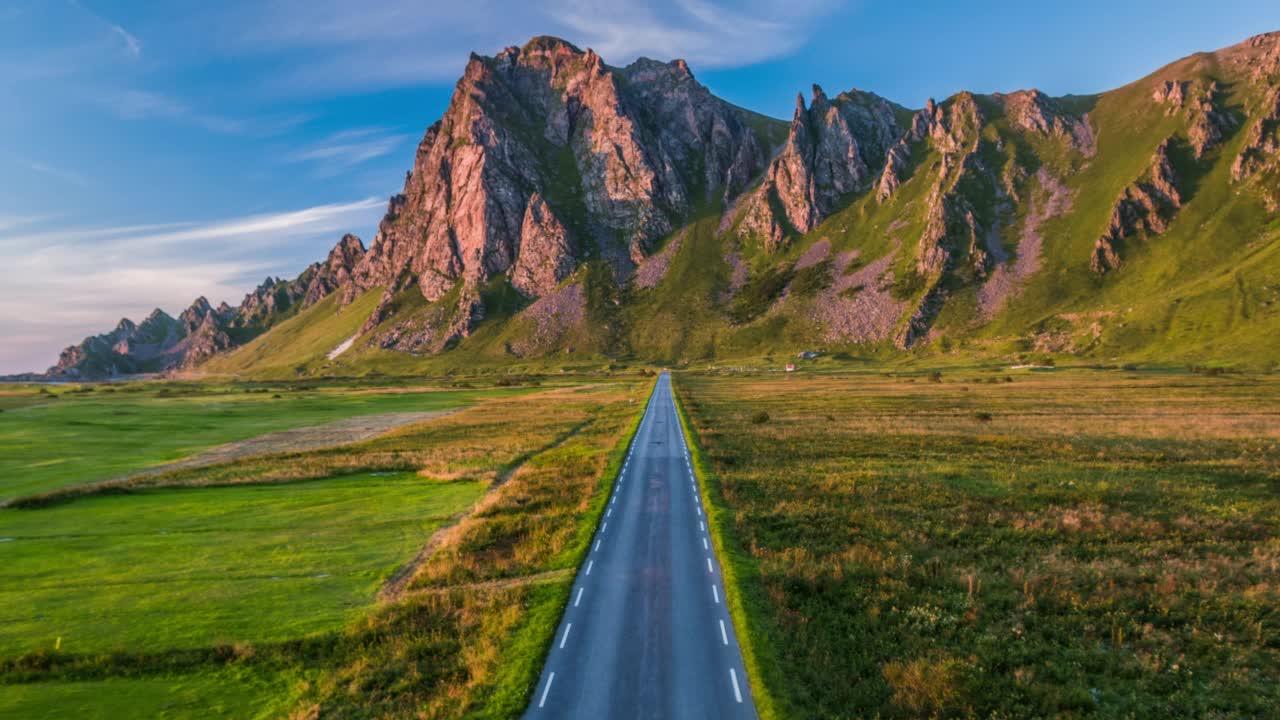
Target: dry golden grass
<point>1069,543</point>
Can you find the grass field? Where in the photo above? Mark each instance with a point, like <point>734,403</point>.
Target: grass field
<point>196,567</point>
<point>71,435</point>
<point>311,583</point>
<point>994,543</point>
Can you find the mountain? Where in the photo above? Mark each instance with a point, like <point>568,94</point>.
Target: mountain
<point>161,343</point>
<point>566,208</point>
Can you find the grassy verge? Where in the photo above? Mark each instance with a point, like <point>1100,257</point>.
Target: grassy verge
<point>496,587</point>
<point>527,650</point>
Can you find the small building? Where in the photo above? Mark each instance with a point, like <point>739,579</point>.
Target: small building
<point>791,367</point>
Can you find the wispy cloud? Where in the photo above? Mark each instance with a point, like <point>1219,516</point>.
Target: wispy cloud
<point>61,174</point>
<point>8,222</point>
<point>344,150</point>
<point>131,43</point>
<point>132,46</point>
<point>133,104</point>
<point>395,43</point>
<point>708,34</point>
<point>58,285</point>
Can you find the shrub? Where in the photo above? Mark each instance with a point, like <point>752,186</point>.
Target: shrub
<point>935,376</point>
<point>983,416</point>
<point>758,294</point>
<point>812,280</point>
<point>759,418</point>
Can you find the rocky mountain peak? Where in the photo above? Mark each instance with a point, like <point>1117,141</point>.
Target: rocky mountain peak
<point>830,152</point>
<point>615,158</point>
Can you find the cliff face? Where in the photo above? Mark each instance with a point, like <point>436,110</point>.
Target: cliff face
<point>833,149</point>
<point>546,157</point>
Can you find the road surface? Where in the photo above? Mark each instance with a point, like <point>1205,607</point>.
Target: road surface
<point>646,633</point>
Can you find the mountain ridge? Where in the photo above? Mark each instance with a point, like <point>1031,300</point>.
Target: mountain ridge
<point>1008,223</point>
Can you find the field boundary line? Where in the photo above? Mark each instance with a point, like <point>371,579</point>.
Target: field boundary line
<point>397,584</point>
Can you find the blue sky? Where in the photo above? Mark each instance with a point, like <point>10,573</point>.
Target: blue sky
<point>153,152</point>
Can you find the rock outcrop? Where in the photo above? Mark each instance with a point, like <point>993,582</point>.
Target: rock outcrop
<point>1038,113</point>
<point>833,149</point>
<point>1145,206</point>
<point>546,254</point>
<point>1262,145</point>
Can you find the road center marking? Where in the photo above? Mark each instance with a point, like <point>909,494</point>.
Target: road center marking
<point>597,547</point>
<point>605,526</point>
<point>723,635</point>
<point>704,544</point>
<point>579,598</point>
<point>701,526</point>
<point>714,593</point>
<point>591,563</point>
<point>546,689</point>
<point>708,566</point>
<point>737,693</point>
<point>565,638</point>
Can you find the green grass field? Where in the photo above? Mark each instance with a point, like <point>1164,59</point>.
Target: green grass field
<point>250,588</point>
<point>64,437</point>
<point>1074,543</point>
<point>228,694</point>
<point>194,567</point>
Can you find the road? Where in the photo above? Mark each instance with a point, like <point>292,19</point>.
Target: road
<point>646,633</point>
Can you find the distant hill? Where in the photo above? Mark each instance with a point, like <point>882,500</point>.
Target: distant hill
<point>566,208</point>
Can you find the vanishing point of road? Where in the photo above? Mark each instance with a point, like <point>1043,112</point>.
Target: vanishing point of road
<point>647,633</point>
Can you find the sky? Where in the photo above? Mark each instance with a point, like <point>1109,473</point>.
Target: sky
<point>151,153</point>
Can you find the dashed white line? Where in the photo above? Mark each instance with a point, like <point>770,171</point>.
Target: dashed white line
<point>608,512</point>
<point>597,547</point>
<point>605,526</point>
<point>714,593</point>
<point>709,566</point>
<point>546,689</point>
<point>591,563</point>
<point>737,692</point>
<point>699,509</point>
<point>723,635</point>
<point>704,544</point>
<point>702,526</point>
<point>579,598</point>
<point>569,626</point>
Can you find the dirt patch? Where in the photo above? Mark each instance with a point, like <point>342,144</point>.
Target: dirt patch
<point>306,439</point>
<point>552,317</point>
<point>857,307</point>
<point>816,253</point>
<point>1007,279</point>
<point>739,273</point>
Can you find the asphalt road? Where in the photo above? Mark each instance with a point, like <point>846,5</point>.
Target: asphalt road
<point>646,633</point>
